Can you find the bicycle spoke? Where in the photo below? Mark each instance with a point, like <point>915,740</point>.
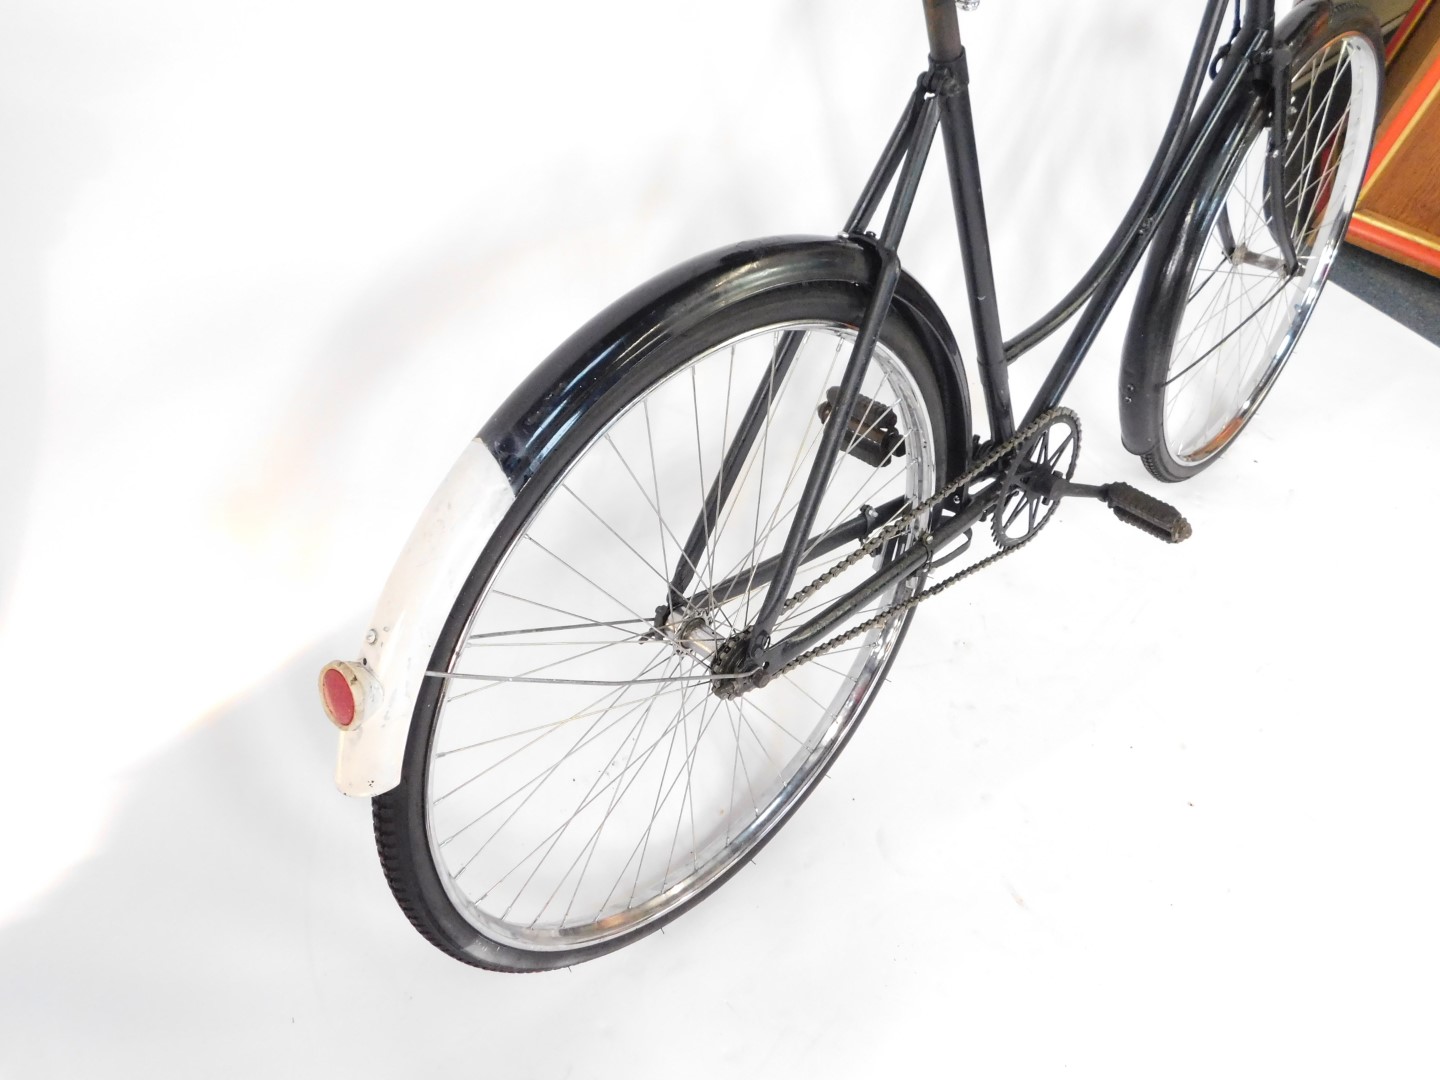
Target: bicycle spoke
<point>534,782</point>
<point>616,623</point>
<point>664,529</point>
<point>553,629</point>
<point>563,825</point>
<point>606,525</point>
<point>544,730</point>
<point>594,840</point>
<point>1232,333</point>
<point>566,810</point>
<point>556,837</point>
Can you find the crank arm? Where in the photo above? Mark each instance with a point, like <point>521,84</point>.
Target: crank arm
<point>1131,505</point>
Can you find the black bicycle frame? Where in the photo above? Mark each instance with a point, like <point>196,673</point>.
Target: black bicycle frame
<point>942,98</point>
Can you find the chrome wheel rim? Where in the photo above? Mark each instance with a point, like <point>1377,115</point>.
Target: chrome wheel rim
<point>567,813</point>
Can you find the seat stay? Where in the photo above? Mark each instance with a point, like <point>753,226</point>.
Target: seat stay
<point>886,282</point>
<point>731,468</point>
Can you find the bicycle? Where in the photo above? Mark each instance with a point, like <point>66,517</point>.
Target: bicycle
<point>655,596</point>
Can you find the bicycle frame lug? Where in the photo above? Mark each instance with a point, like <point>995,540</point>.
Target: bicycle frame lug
<point>947,79</point>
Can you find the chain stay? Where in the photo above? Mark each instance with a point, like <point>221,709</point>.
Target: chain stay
<point>902,523</point>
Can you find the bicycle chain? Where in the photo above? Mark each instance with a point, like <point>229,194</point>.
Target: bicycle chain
<point>901,524</point>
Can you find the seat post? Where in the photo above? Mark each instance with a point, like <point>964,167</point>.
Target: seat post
<point>943,24</point>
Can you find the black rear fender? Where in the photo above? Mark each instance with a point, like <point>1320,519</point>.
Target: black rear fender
<point>525,430</point>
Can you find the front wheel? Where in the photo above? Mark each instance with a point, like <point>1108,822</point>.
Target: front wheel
<point>573,780</point>
<point>1218,312</point>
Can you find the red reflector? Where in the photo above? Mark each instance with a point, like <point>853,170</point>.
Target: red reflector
<point>339,701</point>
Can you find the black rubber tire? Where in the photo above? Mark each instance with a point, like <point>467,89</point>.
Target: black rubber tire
<point>400,815</point>
<point>1161,299</point>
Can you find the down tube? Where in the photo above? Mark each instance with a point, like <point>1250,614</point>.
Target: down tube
<point>1230,81</point>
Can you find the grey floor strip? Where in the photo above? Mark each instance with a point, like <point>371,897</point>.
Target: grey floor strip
<point>1407,296</point>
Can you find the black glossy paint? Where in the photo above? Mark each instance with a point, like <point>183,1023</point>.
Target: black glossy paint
<point>962,158</point>
<point>746,432</point>
<point>527,426</point>
<point>877,311</point>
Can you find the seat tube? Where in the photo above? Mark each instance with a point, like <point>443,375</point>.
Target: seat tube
<point>950,81</point>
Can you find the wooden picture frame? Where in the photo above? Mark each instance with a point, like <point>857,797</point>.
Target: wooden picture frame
<point>1398,212</point>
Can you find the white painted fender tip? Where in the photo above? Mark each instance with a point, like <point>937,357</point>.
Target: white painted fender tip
<point>443,548</point>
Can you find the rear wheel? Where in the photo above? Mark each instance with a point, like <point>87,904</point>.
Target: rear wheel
<point>1218,312</point>
<point>572,780</point>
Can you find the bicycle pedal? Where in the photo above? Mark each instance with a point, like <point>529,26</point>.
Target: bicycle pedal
<point>1147,513</point>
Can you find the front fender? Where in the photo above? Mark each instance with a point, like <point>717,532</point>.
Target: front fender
<point>1162,287</point>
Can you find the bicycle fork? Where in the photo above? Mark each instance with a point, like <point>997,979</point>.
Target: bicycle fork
<point>1276,154</point>
<point>1278,213</point>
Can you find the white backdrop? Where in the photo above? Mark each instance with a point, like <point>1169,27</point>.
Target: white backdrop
<point>266,269</point>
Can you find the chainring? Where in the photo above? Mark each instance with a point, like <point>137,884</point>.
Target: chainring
<point>995,456</point>
<point>1022,510</point>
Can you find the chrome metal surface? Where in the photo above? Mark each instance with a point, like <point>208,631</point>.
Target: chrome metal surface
<point>584,778</point>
